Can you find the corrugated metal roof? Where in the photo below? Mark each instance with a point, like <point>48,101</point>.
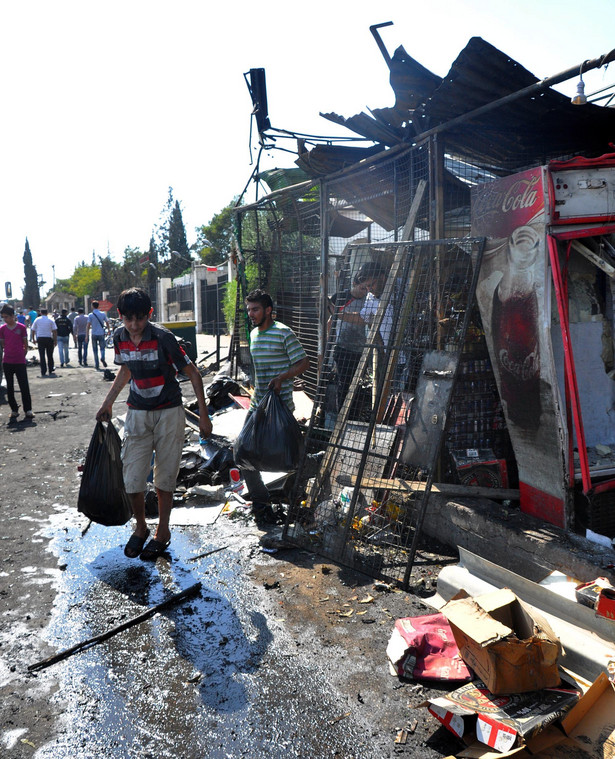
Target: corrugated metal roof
<point>525,132</point>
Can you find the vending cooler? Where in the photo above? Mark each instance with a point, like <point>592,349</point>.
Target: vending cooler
<point>546,293</point>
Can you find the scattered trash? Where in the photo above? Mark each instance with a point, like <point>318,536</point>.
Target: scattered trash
<point>401,737</point>
<point>424,648</point>
<point>219,391</point>
<point>501,722</point>
<point>175,598</point>
<point>587,593</point>
<point>339,719</point>
<point>207,553</point>
<point>589,724</point>
<point>511,647</point>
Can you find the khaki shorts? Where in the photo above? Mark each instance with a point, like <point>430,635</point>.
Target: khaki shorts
<point>147,431</point>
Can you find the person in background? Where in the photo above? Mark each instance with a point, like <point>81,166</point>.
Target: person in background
<point>64,327</point>
<point>45,336</point>
<point>80,326</point>
<point>22,318</point>
<point>14,343</point>
<point>72,314</point>
<point>149,357</point>
<point>278,357</point>
<point>98,326</point>
<point>350,338</point>
<point>32,314</point>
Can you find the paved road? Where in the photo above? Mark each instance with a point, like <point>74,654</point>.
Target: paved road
<point>260,663</point>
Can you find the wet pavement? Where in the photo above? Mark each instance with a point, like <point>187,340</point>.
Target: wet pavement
<point>217,675</point>
<point>265,661</point>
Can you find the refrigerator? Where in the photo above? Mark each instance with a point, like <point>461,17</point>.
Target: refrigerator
<point>545,293</point>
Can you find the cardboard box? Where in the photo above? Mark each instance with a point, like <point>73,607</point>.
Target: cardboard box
<point>605,605</point>
<point>511,647</point>
<point>480,467</point>
<point>501,722</point>
<point>589,725</point>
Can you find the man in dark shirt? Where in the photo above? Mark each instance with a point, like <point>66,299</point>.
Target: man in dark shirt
<point>149,356</point>
<point>65,330</point>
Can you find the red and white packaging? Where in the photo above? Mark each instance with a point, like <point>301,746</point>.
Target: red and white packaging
<point>424,648</point>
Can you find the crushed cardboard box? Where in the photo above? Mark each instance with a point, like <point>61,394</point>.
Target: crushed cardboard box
<point>503,723</point>
<point>511,647</point>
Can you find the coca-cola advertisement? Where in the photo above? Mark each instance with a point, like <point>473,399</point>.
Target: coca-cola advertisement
<point>512,296</point>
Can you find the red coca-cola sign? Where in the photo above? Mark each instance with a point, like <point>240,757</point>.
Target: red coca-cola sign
<point>500,207</point>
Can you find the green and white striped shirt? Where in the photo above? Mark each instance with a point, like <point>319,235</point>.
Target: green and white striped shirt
<point>273,351</point>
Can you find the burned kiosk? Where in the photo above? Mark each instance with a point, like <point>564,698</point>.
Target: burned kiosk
<point>469,346</point>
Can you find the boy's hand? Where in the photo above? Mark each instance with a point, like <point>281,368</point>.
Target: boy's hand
<point>205,425</point>
<point>104,413</point>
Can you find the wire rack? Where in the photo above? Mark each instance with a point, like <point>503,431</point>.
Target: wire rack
<point>380,408</point>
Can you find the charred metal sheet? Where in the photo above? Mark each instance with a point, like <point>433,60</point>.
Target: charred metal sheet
<point>428,417</point>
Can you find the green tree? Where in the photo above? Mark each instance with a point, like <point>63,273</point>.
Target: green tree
<point>178,244</point>
<point>215,239</point>
<point>85,280</point>
<point>170,235</point>
<point>31,293</point>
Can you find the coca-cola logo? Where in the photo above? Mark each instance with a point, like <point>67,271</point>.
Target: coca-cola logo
<point>522,194</point>
<point>524,370</point>
<point>499,198</point>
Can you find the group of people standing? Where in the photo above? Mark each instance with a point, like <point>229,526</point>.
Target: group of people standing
<point>47,333</point>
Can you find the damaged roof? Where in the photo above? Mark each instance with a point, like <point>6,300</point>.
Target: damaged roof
<point>527,131</point>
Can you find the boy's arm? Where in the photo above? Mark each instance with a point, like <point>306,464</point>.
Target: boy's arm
<point>193,374</point>
<point>119,383</point>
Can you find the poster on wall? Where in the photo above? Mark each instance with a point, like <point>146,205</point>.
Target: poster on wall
<point>512,295</point>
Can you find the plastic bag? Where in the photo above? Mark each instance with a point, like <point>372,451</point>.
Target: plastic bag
<point>218,391</point>
<point>271,439</point>
<point>102,497</point>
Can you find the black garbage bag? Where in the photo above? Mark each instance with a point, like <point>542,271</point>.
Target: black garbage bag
<point>219,390</point>
<point>102,497</point>
<point>271,439</point>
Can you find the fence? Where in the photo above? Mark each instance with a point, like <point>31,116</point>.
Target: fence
<point>397,225</point>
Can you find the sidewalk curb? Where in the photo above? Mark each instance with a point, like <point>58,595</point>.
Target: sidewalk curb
<point>516,541</point>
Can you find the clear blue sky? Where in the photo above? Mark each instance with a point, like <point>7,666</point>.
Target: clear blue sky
<point>106,105</point>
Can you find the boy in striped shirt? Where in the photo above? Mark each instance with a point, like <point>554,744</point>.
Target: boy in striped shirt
<point>150,357</point>
<point>278,357</point>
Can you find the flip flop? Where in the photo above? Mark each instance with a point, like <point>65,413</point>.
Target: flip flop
<point>135,545</point>
<point>154,549</point>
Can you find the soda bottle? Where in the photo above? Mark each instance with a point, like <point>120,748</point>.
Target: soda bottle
<point>514,325</point>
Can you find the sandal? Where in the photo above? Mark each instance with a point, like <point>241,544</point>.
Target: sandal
<point>135,545</point>
<point>154,549</point>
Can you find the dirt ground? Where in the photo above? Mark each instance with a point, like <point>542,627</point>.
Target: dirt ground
<point>314,677</point>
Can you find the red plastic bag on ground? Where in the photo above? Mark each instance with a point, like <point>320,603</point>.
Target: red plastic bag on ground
<point>102,496</point>
<point>424,648</point>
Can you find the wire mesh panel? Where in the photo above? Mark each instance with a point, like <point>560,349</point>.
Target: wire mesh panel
<point>279,240</point>
<point>395,335</point>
